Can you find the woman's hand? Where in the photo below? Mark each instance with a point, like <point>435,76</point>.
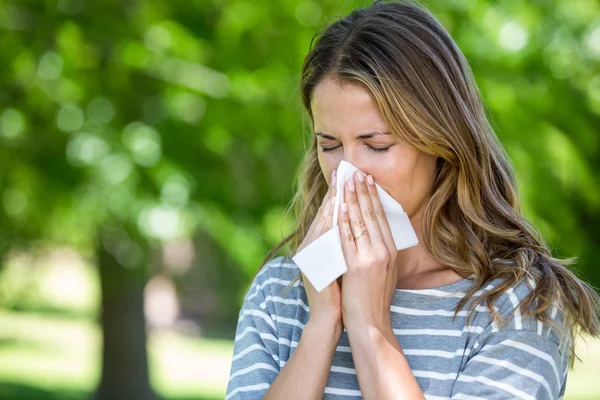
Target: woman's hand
<point>368,286</point>
<point>326,306</point>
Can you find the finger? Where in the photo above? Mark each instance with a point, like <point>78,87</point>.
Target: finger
<point>357,223</point>
<point>366,209</point>
<point>329,204</point>
<point>346,237</point>
<point>320,216</point>
<point>384,225</point>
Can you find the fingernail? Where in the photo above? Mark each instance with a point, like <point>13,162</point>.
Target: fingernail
<point>351,185</point>
<point>361,176</point>
<point>333,177</point>
<point>370,179</point>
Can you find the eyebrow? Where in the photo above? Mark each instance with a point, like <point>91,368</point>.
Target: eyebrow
<point>362,136</point>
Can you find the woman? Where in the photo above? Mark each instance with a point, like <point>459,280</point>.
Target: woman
<point>478,310</point>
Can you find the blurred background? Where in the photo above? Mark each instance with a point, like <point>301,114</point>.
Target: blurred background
<point>148,150</point>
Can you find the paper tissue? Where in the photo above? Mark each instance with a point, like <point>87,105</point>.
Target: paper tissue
<point>323,261</point>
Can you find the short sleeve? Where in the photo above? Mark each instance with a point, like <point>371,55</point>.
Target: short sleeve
<point>514,364</point>
<point>255,362</point>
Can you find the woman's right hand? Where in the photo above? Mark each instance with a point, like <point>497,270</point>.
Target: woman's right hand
<point>325,306</point>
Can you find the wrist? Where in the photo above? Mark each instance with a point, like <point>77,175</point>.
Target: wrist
<point>330,327</point>
<point>371,336</point>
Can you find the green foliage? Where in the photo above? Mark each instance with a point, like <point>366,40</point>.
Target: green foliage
<point>172,118</point>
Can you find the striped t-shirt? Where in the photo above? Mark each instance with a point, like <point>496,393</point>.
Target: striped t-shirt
<point>450,360</point>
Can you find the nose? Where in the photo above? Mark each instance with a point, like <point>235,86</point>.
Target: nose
<point>351,156</point>
<point>354,160</point>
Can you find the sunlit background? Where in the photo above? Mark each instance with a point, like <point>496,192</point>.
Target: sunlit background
<point>148,149</point>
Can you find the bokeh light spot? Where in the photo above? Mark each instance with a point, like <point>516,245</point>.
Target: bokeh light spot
<point>143,142</point>
<point>513,36</point>
<point>70,118</point>
<point>12,123</point>
<point>100,111</point>
<point>308,13</point>
<point>50,66</point>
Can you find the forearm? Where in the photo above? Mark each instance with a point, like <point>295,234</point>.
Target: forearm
<point>305,374</point>
<point>382,369</point>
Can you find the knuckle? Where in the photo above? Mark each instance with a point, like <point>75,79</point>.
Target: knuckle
<point>349,237</point>
<point>360,223</point>
<point>380,212</point>
<point>371,214</point>
<point>381,255</point>
<point>370,260</point>
<point>382,258</point>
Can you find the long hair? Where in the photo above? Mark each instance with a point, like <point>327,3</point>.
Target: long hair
<point>426,92</point>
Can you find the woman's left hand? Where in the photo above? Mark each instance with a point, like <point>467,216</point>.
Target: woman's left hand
<point>368,285</point>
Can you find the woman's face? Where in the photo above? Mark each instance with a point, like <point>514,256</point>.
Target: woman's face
<point>341,116</point>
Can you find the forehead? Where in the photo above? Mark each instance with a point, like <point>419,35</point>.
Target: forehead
<point>347,107</point>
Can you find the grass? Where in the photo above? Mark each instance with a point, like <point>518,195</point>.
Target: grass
<point>52,357</point>
<point>48,357</point>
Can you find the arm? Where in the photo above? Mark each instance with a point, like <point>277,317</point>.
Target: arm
<point>255,360</point>
<point>305,374</point>
<point>381,367</point>
<point>255,371</point>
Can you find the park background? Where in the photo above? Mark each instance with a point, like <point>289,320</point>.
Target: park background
<point>148,150</point>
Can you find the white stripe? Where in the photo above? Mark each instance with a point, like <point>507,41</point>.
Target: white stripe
<point>432,397</point>
<point>445,313</point>
<point>435,375</point>
<point>530,350</point>
<point>286,342</point>
<point>252,368</point>
<point>515,302</point>
<point>462,396</point>
<point>513,367</point>
<point>553,317</point>
<point>278,299</point>
<point>289,321</point>
<point>278,281</point>
<point>249,329</point>
<point>419,352</point>
<point>503,386</point>
<point>343,392</point>
<point>438,332</point>
<point>260,314</point>
<point>436,353</point>
<point>250,388</point>
<point>343,370</point>
<point>441,293</point>
<point>494,324</point>
<point>252,348</point>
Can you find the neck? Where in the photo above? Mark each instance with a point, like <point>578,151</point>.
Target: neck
<point>414,263</point>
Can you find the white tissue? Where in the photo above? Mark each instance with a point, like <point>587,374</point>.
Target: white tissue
<point>323,261</point>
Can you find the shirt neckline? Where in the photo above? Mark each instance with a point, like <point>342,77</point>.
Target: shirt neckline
<point>450,288</point>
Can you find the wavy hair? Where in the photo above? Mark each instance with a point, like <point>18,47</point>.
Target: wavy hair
<point>426,92</point>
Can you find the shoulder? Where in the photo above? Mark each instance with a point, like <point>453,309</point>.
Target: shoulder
<point>273,278</point>
<point>512,307</point>
<point>523,351</point>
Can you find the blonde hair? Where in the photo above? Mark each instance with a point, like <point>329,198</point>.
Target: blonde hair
<point>427,95</point>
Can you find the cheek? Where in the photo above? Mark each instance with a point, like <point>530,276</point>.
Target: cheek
<point>327,164</point>
<point>407,179</point>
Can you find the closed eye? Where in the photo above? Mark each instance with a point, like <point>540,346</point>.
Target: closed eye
<point>375,149</point>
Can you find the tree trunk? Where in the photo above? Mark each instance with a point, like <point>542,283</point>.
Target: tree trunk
<point>124,356</point>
